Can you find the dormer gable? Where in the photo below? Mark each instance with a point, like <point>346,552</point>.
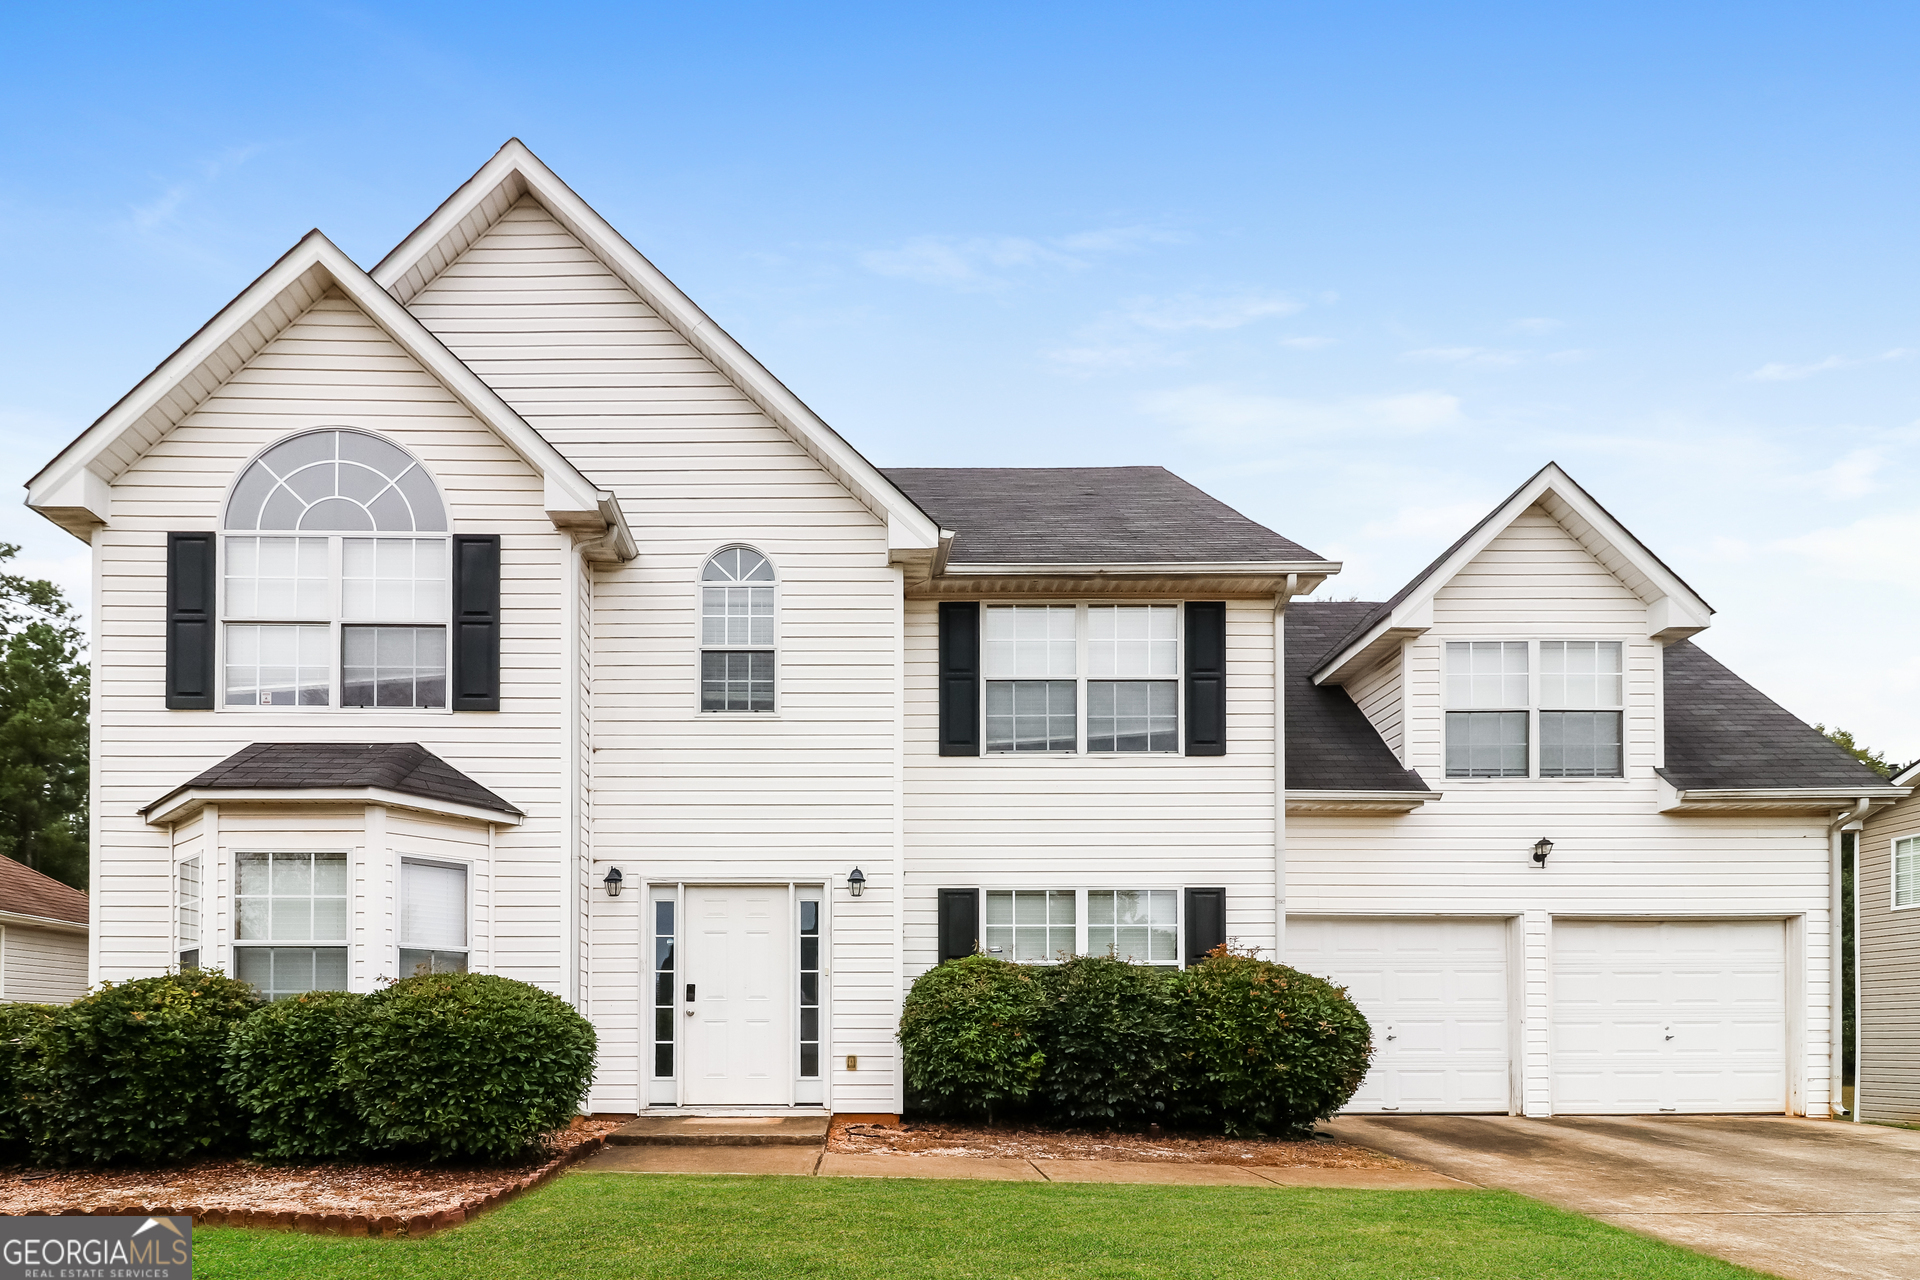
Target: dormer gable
<point>75,490</point>
<point>1672,610</point>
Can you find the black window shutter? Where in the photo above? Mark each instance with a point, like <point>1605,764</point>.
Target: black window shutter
<point>959,678</point>
<point>190,621</point>
<point>1206,678</point>
<point>959,923</point>
<point>476,622</point>
<point>1206,922</point>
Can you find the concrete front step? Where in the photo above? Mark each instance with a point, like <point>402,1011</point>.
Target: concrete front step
<point>721,1131</point>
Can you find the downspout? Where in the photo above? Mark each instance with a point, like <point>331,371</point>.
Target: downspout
<point>1280,767</point>
<point>1836,1050</point>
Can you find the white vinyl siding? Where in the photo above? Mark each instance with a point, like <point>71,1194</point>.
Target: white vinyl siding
<point>42,966</point>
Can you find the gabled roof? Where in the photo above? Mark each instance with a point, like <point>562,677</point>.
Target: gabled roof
<point>1088,515</point>
<point>1674,609</point>
<point>26,892</point>
<point>367,771</point>
<point>74,489</point>
<point>514,172</point>
<point>1724,734</point>
<point>1331,745</point>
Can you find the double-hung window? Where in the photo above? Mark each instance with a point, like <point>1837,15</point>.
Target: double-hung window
<point>433,917</point>
<point>291,933</point>
<point>1906,872</point>
<point>736,631</point>
<point>1548,708</point>
<point>331,595</point>
<point>1099,678</point>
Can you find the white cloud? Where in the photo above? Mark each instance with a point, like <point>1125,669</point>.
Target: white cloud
<point>1306,342</point>
<point>1190,311</point>
<point>1223,416</point>
<point>1794,372</point>
<point>1471,357</point>
<point>1440,524</point>
<point>986,262</point>
<point>1876,548</point>
<point>1851,476</point>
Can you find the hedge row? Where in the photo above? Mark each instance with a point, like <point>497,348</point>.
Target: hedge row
<point>1234,1043</point>
<point>440,1067</point>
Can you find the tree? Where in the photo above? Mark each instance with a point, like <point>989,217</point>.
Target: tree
<point>1865,755</point>
<point>44,685</point>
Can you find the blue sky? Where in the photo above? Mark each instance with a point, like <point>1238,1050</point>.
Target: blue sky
<point>1357,269</point>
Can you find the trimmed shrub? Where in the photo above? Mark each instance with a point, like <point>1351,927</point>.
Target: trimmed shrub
<point>1265,1048</point>
<point>19,1025</point>
<point>1109,1036</point>
<point>969,1035</point>
<point>132,1073</point>
<point>465,1065</point>
<point>282,1069</point>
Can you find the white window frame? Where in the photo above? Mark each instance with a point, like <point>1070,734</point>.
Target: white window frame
<point>1082,678</point>
<point>1533,710</point>
<point>463,865</point>
<point>336,622</point>
<point>1893,879</point>
<point>181,943</point>
<point>1080,913</point>
<point>700,647</point>
<point>236,944</point>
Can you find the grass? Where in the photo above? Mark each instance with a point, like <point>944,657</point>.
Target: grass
<point>607,1226</point>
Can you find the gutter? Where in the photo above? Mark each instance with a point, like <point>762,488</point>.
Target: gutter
<point>1836,1048</point>
<point>43,922</point>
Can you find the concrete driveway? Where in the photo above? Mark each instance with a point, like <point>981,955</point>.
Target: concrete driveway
<point>1809,1199</point>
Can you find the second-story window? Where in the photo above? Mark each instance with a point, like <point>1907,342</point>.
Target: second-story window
<point>1548,708</point>
<point>331,595</point>
<point>1101,678</point>
<point>736,631</point>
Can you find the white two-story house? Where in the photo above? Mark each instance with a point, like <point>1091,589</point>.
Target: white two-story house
<point>493,609</point>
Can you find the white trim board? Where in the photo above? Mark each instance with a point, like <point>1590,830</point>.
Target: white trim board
<point>75,489</point>
<point>184,803</point>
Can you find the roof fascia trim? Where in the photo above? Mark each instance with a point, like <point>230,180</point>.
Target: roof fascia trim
<point>908,527</point>
<point>1307,800</point>
<point>178,805</point>
<point>570,498</point>
<point>1909,776</point>
<point>1708,799</point>
<point>1673,612</point>
<point>24,921</point>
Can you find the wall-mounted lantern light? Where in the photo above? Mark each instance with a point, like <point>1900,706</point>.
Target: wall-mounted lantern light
<point>856,882</point>
<point>1541,848</point>
<point>613,882</point>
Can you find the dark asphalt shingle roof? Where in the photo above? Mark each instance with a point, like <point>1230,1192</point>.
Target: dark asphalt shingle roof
<point>27,892</point>
<point>1085,515</point>
<point>405,767</point>
<point>1331,745</point>
<point>1723,732</point>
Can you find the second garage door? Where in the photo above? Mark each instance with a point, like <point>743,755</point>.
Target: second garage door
<point>1435,991</point>
<point>1669,1015</point>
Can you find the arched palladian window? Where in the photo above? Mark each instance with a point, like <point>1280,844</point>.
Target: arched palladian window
<point>736,631</point>
<point>334,588</point>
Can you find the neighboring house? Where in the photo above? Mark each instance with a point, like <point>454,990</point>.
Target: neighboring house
<point>496,610</point>
<point>43,938</point>
<point>1886,884</point>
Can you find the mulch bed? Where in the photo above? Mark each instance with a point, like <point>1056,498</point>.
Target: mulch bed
<point>937,1138</point>
<point>345,1199</point>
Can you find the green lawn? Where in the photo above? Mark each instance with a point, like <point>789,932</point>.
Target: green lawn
<point>605,1226</point>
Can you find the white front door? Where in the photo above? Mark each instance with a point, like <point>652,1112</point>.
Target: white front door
<point>739,997</point>
<point>1435,993</point>
<point>1669,1015</point>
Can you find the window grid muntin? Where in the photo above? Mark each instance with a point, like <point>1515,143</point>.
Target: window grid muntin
<point>303,471</point>
<point>424,510</point>
<point>738,595</point>
<point>279,900</point>
<point>1086,936</point>
<point>1487,741</point>
<point>1906,872</point>
<point>1046,652</point>
<point>665,995</point>
<point>1031,926</point>
<point>1127,922</point>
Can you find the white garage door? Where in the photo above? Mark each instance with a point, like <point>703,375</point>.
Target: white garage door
<point>1436,994</point>
<point>1669,1015</point>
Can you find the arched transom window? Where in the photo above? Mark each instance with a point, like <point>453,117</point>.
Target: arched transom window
<point>334,586</point>
<point>736,631</point>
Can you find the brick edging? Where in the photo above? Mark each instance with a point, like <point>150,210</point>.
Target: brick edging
<point>344,1224</point>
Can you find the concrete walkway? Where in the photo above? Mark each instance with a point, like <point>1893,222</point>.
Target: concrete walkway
<point>816,1161</point>
<point>1808,1199</point>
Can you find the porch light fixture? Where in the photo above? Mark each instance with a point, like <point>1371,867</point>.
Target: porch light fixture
<point>856,882</point>
<point>613,882</point>
<point>1541,848</point>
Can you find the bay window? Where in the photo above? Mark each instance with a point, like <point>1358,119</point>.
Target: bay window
<point>290,932</point>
